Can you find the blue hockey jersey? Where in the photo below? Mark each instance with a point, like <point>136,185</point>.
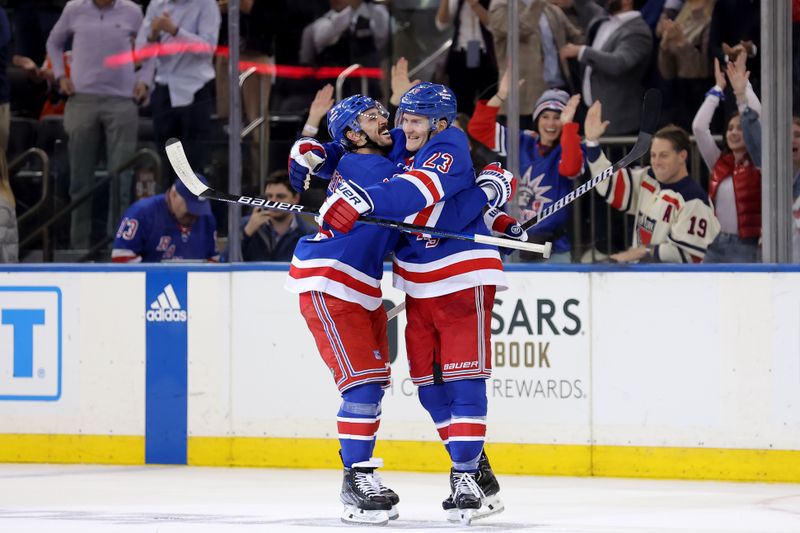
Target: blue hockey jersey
<point>348,266</point>
<point>149,233</point>
<point>437,188</point>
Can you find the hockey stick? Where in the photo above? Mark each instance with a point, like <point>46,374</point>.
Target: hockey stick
<point>177,158</point>
<point>396,310</point>
<point>651,109</point>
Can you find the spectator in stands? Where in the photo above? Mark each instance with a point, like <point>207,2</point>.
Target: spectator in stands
<point>736,27</point>
<point>101,100</point>
<point>176,225</point>
<point>568,7</point>
<point>353,31</point>
<point>751,130</point>
<point>33,22</point>
<point>471,66</point>
<point>316,193</point>
<point>257,24</point>
<point>683,58</point>
<point>796,56</point>
<point>674,219</point>
<point>9,236</point>
<point>544,30</point>
<point>735,182</point>
<point>5,89</point>
<point>182,82</point>
<point>550,160</point>
<point>269,235</point>
<point>795,189</point>
<point>615,61</point>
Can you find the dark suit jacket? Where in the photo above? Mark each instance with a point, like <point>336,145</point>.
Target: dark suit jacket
<point>618,67</point>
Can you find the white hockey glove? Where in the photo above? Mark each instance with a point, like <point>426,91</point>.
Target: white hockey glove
<point>498,183</point>
<point>503,225</point>
<point>342,208</point>
<point>306,158</point>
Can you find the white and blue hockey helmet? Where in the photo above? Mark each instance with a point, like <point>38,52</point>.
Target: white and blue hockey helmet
<point>344,116</point>
<point>432,100</point>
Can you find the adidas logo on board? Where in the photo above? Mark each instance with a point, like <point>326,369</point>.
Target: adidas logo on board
<point>166,307</point>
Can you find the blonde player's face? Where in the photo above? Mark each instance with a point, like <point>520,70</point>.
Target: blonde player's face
<point>666,162</point>
<point>416,128</point>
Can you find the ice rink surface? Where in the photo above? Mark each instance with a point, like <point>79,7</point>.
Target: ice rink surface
<point>164,499</point>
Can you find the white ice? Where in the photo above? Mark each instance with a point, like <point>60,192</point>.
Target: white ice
<point>164,499</point>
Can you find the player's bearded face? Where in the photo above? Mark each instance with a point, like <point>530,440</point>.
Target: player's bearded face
<point>376,127</point>
<point>417,130</point>
<point>796,145</point>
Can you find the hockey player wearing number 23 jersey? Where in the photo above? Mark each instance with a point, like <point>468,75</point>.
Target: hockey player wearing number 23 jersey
<point>450,284</point>
<point>675,222</point>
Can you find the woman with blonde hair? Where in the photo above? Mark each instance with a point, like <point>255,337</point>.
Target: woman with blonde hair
<point>9,237</point>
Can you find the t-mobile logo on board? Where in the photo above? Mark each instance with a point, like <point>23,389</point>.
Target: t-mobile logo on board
<point>30,343</point>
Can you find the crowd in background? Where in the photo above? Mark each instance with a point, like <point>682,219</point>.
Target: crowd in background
<point>70,64</point>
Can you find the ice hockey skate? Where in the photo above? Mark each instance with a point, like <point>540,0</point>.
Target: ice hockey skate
<point>362,498</point>
<point>394,499</point>
<point>491,503</point>
<point>467,495</point>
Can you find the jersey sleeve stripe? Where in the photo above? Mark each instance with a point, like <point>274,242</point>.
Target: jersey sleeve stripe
<point>427,183</point>
<point>684,244</point>
<point>673,201</point>
<point>621,185</point>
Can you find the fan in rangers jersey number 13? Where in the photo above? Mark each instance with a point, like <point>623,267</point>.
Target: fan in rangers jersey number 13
<point>174,225</point>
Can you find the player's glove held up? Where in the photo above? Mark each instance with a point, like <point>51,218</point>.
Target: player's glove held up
<point>498,183</point>
<point>306,158</point>
<point>342,208</point>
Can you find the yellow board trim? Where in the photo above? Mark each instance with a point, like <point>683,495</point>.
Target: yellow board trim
<point>94,449</point>
<point>526,459</point>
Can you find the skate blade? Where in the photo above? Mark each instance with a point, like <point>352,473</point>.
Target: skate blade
<point>465,516</point>
<point>354,515</point>
<point>452,515</point>
<point>394,513</point>
<point>490,505</point>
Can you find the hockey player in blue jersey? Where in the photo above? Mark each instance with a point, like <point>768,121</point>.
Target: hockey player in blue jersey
<point>449,352</point>
<point>338,278</point>
<point>170,226</point>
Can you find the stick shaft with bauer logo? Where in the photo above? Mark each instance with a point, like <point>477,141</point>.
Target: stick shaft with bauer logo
<point>179,162</point>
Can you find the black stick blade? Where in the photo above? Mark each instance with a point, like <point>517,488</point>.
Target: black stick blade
<point>651,111</point>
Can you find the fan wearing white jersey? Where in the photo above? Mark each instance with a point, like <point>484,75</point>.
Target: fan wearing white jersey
<point>675,222</point>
